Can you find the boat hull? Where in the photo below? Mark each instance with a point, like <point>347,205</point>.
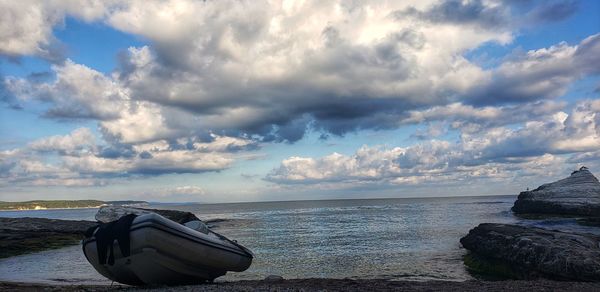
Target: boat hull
<point>166,253</point>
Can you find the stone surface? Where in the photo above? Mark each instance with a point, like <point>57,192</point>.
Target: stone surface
<point>578,194</point>
<point>24,235</point>
<point>177,216</point>
<point>535,252</point>
<point>273,278</point>
<point>323,284</point>
<point>112,213</point>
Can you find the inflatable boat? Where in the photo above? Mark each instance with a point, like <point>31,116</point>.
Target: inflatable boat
<point>151,250</point>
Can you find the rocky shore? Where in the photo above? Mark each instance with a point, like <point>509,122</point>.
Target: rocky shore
<point>524,252</point>
<point>539,256</point>
<point>531,252</point>
<point>335,285</point>
<point>577,195</point>
<point>26,235</point>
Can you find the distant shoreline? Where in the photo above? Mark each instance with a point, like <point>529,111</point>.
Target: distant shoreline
<point>64,204</point>
<point>45,209</point>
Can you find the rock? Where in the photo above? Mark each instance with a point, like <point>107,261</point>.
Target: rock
<point>578,194</point>
<point>177,216</point>
<point>25,235</point>
<point>273,278</point>
<point>589,221</point>
<point>112,213</point>
<point>535,252</point>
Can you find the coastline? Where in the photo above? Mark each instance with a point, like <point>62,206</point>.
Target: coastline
<point>362,281</point>
<point>314,284</point>
<point>45,209</point>
<point>25,235</point>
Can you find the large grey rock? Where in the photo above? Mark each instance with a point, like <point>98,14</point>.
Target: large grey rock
<point>24,235</point>
<point>111,213</point>
<point>537,252</point>
<point>578,194</point>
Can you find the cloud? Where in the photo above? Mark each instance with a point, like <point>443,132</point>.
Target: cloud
<point>156,163</point>
<point>538,74</point>
<point>80,141</point>
<point>183,193</point>
<point>7,96</point>
<point>433,163</point>
<point>496,153</point>
<point>26,26</point>
<point>274,71</point>
<point>433,130</point>
<point>470,119</point>
<point>337,79</point>
<point>481,13</point>
<point>258,72</point>
<point>550,11</point>
<point>78,158</point>
<point>78,92</point>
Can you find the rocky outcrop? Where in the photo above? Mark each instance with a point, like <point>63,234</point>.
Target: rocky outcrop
<point>24,235</point>
<point>174,215</point>
<point>534,252</point>
<point>111,213</point>
<point>578,194</point>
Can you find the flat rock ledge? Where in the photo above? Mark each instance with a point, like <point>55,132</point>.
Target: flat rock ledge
<point>537,253</point>
<point>112,213</point>
<point>578,194</point>
<point>26,235</point>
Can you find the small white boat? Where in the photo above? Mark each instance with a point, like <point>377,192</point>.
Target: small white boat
<point>152,250</point>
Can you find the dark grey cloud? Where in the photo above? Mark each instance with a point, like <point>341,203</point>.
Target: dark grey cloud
<point>587,157</point>
<point>587,55</point>
<point>39,77</point>
<point>145,155</point>
<point>504,14</point>
<point>116,150</point>
<point>461,12</point>
<point>553,11</point>
<point>537,147</point>
<point>253,76</point>
<point>536,75</point>
<point>284,110</point>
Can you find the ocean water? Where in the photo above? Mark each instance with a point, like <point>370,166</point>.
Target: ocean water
<point>396,239</point>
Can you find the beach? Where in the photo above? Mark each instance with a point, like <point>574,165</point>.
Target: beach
<point>331,285</point>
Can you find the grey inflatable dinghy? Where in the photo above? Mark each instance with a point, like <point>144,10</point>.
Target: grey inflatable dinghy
<point>151,250</point>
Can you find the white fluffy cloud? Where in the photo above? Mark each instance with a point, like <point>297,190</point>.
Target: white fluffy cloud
<point>259,68</point>
<point>78,159</point>
<point>262,67</point>
<point>538,74</point>
<point>26,25</point>
<point>498,152</point>
<point>272,70</point>
<point>77,92</point>
<point>217,77</point>
<point>470,119</point>
<point>80,140</point>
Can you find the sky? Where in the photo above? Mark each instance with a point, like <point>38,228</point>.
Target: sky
<point>232,101</point>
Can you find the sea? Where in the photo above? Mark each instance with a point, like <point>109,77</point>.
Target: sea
<point>395,239</point>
